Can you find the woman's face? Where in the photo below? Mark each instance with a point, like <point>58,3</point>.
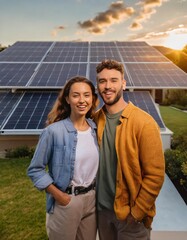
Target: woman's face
<point>80,99</point>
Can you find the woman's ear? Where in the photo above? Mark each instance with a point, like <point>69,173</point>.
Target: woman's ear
<point>67,100</point>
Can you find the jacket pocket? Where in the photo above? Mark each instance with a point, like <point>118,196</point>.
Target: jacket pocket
<point>59,155</point>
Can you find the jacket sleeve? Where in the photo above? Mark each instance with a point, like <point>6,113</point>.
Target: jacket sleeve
<point>152,163</point>
<point>37,168</point>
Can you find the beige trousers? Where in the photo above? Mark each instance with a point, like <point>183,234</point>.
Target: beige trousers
<point>76,221</point>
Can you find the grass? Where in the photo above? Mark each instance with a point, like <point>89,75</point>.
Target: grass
<point>174,119</point>
<point>22,206</point>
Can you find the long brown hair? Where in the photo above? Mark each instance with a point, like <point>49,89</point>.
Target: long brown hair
<point>61,109</point>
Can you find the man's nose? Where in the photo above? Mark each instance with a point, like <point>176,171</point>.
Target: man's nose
<point>107,86</point>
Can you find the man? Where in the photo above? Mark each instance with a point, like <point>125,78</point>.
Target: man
<point>132,166</point>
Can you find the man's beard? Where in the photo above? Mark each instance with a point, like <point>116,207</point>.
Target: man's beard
<point>115,100</point>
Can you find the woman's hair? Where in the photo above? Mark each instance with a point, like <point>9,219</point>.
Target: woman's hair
<point>61,109</point>
<point>110,64</point>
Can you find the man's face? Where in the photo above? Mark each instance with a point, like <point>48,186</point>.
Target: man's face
<point>111,84</point>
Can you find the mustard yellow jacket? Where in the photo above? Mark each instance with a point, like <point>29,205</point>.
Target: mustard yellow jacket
<point>140,166</point>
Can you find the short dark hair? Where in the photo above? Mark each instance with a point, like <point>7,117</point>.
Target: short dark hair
<point>110,64</point>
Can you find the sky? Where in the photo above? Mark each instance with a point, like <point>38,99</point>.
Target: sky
<point>157,22</point>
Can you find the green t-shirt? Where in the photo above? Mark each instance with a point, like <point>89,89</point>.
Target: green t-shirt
<point>108,164</point>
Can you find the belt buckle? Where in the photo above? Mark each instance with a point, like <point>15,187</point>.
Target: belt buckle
<point>72,189</point>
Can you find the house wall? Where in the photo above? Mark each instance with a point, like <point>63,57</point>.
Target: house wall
<point>13,141</point>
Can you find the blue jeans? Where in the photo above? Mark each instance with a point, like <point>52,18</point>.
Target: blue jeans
<point>111,228</point>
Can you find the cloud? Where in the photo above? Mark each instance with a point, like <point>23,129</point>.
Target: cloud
<point>136,26</point>
<point>147,8</point>
<point>175,38</point>
<point>117,12</point>
<point>56,30</point>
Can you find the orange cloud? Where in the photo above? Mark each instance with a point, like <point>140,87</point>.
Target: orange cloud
<point>56,30</point>
<point>117,12</point>
<point>146,10</point>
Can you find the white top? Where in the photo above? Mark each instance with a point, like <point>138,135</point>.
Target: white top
<point>86,159</point>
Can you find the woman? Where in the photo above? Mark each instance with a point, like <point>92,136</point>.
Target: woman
<point>68,147</point>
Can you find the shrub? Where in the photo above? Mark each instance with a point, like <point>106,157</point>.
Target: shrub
<point>19,152</point>
<point>176,97</point>
<point>183,182</point>
<point>179,141</point>
<point>176,160</point>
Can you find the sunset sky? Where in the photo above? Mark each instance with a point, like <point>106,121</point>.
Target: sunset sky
<point>158,22</point>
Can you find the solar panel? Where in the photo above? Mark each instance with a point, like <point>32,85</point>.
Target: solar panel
<point>48,65</point>
<point>102,44</point>
<point>156,75</point>
<point>56,74</point>
<point>97,54</point>
<point>71,44</point>
<point>67,54</point>
<point>143,100</point>
<point>25,52</point>
<point>141,54</point>
<point>8,101</point>
<point>15,74</point>
<point>31,112</point>
<point>131,44</point>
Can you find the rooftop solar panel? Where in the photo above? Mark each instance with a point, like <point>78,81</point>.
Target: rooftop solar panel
<point>97,54</point>
<point>131,44</point>
<point>141,54</point>
<point>8,101</point>
<point>31,44</point>
<point>156,75</point>
<point>143,100</point>
<point>52,75</point>
<point>15,74</point>
<point>25,52</point>
<point>67,54</point>
<point>71,44</point>
<point>102,44</point>
<point>31,112</point>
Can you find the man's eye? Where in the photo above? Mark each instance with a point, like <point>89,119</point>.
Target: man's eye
<point>101,81</point>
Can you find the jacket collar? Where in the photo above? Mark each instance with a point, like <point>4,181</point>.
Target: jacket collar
<point>126,112</point>
<point>70,127</point>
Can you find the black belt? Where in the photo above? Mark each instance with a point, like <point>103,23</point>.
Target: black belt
<point>79,190</point>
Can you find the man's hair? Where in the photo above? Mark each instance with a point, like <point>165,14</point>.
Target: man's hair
<point>110,64</point>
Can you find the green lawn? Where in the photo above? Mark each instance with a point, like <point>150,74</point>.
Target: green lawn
<point>174,119</point>
<point>22,211</point>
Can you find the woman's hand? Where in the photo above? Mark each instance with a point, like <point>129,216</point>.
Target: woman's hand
<point>61,197</point>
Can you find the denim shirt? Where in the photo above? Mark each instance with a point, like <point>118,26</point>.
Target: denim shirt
<point>56,149</point>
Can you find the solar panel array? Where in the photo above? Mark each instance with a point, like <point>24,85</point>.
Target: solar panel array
<point>37,70</point>
<point>32,109</point>
<point>50,64</point>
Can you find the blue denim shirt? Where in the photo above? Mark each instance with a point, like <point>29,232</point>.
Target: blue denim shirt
<point>56,149</point>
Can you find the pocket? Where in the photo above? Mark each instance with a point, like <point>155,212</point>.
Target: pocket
<point>59,155</point>
<point>66,206</point>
